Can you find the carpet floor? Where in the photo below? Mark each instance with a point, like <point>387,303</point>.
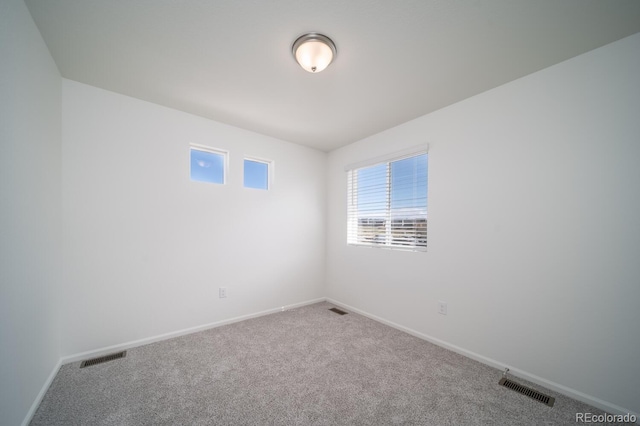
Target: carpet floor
<point>306,366</point>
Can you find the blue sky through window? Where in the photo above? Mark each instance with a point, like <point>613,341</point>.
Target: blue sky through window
<point>207,166</point>
<point>256,174</point>
<point>372,197</point>
<point>408,183</point>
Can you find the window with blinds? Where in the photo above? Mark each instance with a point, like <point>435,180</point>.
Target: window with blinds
<point>387,203</point>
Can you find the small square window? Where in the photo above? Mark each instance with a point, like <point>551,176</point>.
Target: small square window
<point>256,174</point>
<point>208,165</point>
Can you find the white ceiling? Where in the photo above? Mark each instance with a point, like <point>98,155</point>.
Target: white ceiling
<point>230,60</point>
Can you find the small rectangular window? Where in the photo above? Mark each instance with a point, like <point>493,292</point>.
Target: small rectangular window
<point>208,165</point>
<point>387,204</point>
<point>256,173</point>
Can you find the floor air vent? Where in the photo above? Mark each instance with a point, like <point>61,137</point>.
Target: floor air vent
<point>101,359</point>
<point>338,311</point>
<point>531,393</point>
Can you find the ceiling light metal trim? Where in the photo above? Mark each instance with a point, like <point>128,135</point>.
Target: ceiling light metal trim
<point>310,38</point>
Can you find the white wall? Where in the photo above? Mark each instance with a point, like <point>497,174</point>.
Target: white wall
<point>30,141</point>
<point>146,248</point>
<point>534,227</point>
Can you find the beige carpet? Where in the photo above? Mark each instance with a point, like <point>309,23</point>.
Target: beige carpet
<point>307,366</point>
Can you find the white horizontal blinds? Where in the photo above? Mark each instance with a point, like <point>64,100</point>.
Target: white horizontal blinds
<point>387,204</point>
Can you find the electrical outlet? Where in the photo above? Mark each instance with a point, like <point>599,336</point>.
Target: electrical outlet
<point>222,292</point>
<point>442,307</point>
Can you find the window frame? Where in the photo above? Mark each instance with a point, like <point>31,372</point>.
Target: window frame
<point>354,235</point>
<point>211,150</point>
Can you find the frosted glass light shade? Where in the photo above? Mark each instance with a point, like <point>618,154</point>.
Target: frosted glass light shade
<point>314,52</point>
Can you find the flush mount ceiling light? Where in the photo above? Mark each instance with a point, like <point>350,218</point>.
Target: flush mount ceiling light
<point>314,52</point>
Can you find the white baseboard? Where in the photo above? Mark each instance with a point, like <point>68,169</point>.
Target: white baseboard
<point>146,341</point>
<point>43,391</point>
<point>564,390</point>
